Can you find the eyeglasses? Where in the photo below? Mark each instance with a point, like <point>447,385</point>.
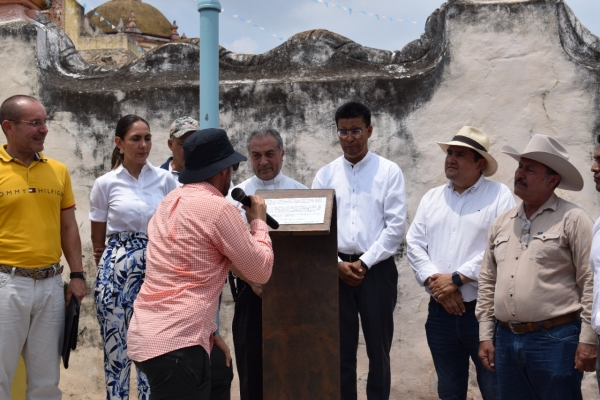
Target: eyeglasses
<point>525,227</point>
<point>35,123</point>
<point>354,132</point>
<point>236,166</point>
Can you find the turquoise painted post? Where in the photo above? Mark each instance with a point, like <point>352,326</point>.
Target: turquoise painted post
<point>209,63</point>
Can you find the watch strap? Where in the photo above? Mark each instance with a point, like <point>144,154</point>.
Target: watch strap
<point>80,275</point>
<point>456,279</point>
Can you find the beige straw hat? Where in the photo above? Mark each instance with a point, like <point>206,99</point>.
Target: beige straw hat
<point>474,139</point>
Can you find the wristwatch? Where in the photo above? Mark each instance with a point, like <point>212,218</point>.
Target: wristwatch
<point>456,279</point>
<point>80,275</point>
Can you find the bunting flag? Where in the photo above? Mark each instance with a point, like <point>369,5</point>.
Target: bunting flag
<point>256,26</point>
<point>101,18</point>
<point>377,16</point>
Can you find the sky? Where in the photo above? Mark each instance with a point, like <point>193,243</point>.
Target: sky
<point>256,26</point>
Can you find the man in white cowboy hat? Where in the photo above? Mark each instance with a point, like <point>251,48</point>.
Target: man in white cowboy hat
<point>535,284</point>
<point>445,246</point>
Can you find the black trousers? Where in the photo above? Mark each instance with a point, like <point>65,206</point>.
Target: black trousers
<point>220,375</point>
<point>183,374</point>
<point>374,299</point>
<point>247,340</point>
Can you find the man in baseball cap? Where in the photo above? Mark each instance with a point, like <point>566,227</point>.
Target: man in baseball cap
<point>195,236</point>
<point>535,284</point>
<point>181,129</point>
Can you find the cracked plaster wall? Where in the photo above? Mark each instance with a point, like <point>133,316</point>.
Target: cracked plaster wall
<point>511,68</point>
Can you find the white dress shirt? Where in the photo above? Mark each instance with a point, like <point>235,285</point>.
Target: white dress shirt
<point>175,174</point>
<point>371,205</point>
<point>595,265</point>
<point>450,231</point>
<point>251,185</point>
<point>126,204</point>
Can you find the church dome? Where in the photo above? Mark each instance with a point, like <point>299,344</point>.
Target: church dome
<point>148,19</point>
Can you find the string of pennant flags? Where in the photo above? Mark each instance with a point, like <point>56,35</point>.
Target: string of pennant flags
<point>229,13</point>
<point>249,21</point>
<point>378,16</point>
<point>102,19</point>
<point>327,4</point>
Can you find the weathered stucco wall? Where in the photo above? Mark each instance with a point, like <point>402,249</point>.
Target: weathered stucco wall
<point>512,68</point>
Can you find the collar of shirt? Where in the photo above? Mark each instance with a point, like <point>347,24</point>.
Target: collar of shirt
<point>271,184</point>
<point>121,169</point>
<point>472,189</point>
<point>4,156</point>
<point>361,163</point>
<point>550,204</point>
<point>171,170</point>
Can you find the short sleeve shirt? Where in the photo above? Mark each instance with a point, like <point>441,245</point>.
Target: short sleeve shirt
<point>31,200</point>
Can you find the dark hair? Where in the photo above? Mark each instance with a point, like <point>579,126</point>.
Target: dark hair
<point>10,109</point>
<point>353,109</point>
<point>477,155</point>
<point>550,172</point>
<point>260,133</point>
<point>123,127</point>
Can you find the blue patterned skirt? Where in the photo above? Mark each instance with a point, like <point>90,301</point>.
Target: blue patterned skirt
<point>120,276</point>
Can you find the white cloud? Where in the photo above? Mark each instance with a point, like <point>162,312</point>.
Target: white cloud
<point>244,45</point>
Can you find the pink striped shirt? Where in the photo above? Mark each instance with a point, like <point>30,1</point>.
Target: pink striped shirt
<point>194,237</point>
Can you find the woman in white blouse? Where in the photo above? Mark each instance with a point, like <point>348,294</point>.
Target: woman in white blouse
<point>122,202</point>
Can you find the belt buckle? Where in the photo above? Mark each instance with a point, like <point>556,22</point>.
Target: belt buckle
<point>510,325</point>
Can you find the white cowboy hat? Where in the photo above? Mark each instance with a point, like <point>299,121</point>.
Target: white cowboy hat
<point>546,150</point>
<point>474,139</point>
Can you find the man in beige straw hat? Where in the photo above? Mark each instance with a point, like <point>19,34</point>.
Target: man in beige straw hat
<point>446,243</point>
<point>535,285</point>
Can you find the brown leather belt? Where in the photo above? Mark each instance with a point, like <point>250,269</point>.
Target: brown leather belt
<point>527,327</point>
<point>35,273</point>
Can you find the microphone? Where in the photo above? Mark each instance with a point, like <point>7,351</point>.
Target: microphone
<point>238,195</point>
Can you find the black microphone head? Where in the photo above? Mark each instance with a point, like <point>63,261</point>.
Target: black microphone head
<point>238,194</point>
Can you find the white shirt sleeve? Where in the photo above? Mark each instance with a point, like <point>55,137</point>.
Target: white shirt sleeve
<point>417,245</point>
<point>98,203</point>
<point>394,214</point>
<point>595,265</point>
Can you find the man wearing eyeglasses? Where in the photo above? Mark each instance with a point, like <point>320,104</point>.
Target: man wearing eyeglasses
<point>445,246</point>
<point>371,215</point>
<point>265,150</point>
<point>535,284</point>
<point>37,216</point>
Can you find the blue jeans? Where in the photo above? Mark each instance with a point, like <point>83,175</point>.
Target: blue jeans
<point>452,340</point>
<point>538,365</point>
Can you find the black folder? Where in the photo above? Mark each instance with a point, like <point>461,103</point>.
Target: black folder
<point>71,329</point>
